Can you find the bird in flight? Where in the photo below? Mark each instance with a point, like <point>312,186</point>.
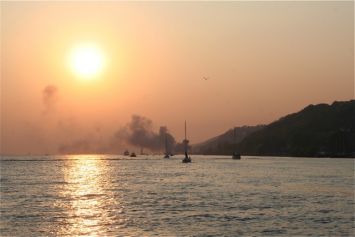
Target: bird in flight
<point>206,78</point>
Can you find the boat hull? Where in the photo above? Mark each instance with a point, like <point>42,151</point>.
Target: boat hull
<point>187,159</point>
<point>236,156</point>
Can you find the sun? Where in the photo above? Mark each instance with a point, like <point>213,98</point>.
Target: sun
<point>86,60</point>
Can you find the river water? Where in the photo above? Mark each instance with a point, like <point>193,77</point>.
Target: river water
<point>108,195</point>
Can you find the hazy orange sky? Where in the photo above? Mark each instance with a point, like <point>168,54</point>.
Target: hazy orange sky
<point>263,60</point>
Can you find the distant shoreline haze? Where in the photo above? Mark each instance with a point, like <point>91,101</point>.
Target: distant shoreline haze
<point>320,130</point>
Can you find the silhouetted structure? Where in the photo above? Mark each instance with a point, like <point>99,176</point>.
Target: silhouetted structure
<point>187,158</point>
<point>167,155</point>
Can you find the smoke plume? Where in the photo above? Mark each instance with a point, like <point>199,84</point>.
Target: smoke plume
<point>139,132</point>
<point>49,98</point>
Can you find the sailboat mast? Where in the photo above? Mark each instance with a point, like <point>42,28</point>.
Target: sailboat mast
<point>185,129</point>
<point>187,159</point>
<point>166,144</point>
<point>185,141</point>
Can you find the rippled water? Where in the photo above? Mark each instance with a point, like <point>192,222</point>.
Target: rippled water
<point>101,195</point>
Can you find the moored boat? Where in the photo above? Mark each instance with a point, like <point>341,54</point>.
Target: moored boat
<point>187,158</point>
<point>167,155</point>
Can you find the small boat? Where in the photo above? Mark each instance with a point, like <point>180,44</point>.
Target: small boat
<point>167,155</point>
<point>236,155</point>
<point>133,154</point>
<point>126,153</point>
<point>143,153</point>
<point>187,158</point>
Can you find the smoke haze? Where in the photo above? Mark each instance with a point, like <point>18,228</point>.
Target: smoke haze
<point>139,132</point>
<point>49,98</point>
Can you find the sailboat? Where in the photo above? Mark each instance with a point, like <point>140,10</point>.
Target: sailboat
<point>187,158</point>
<point>166,156</point>
<point>236,155</point>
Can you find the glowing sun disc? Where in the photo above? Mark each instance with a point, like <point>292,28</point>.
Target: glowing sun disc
<point>86,60</point>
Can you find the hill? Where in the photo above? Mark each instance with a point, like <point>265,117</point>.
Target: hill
<point>317,130</point>
<point>231,137</point>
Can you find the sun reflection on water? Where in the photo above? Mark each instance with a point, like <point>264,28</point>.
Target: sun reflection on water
<point>89,199</point>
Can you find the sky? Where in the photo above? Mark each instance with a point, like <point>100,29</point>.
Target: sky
<point>215,64</point>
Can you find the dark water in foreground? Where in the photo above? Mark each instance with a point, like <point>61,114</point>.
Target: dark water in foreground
<point>101,195</point>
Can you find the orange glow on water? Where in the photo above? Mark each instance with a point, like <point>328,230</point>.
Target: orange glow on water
<point>88,194</point>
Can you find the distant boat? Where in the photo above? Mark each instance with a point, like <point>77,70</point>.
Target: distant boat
<point>133,154</point>
<point>187,158</point>
<point>126,153</point>
<point>167,155</point>
<point>142,152</point>
<point>236,155</point>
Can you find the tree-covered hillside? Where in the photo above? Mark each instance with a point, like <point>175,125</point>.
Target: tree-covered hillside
<point>317,130</point>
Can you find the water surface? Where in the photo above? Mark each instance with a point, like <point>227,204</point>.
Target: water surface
<point>107,195</point>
